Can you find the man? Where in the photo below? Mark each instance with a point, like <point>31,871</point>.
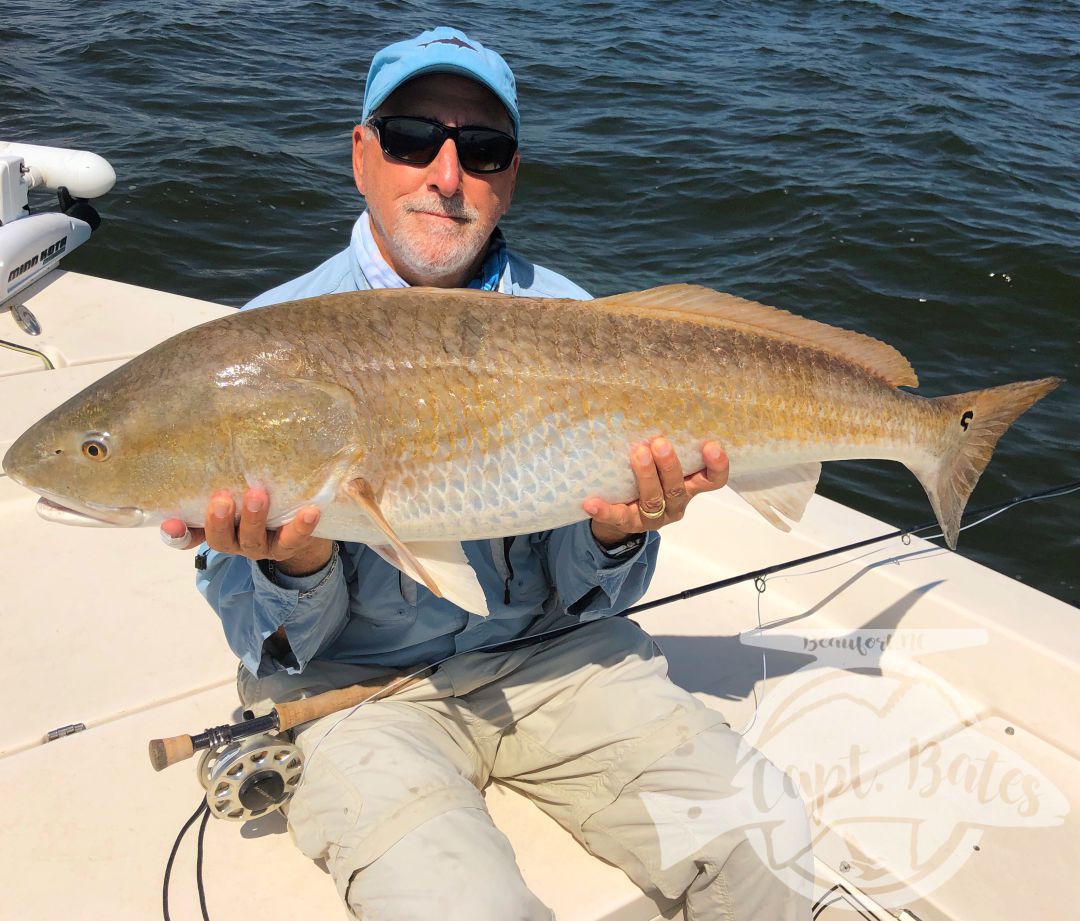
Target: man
<point>588,725</point>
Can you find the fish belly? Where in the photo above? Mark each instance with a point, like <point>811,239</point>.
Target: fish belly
<point>533,482</point>
<point>537,478</point>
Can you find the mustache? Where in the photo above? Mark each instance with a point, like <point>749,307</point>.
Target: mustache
<point>450,207</point>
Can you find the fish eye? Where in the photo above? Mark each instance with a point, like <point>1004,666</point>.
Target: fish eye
<point>95,449</point>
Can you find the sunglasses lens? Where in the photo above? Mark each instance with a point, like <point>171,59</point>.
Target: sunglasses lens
<point>416,140</point>
<point>484,151</point>
<point>410,139</point>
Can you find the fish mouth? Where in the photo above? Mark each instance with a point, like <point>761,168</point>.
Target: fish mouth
<point>88,515</point>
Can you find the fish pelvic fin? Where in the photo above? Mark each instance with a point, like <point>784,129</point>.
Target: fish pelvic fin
<point>975,422</point>
<point>440,565</point>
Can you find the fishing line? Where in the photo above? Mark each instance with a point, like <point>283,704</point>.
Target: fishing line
<point>903,533</point>
<point>759,584</point>
<point>199,864</point>
<point>993,514</point>
<point>759,581</point>
<point>906,539</point>
<point>759,577</point>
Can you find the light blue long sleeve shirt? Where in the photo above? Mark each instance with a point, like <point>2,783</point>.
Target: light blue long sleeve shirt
<point>359,609</point>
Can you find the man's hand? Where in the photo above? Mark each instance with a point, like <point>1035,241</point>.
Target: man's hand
<point>292,545</point>
<point>661,486</point>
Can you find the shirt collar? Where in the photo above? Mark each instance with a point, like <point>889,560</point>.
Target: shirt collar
<point>375,268</point>
<point>379,274</point>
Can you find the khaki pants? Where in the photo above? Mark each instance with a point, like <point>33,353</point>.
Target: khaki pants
<point>586,725</point>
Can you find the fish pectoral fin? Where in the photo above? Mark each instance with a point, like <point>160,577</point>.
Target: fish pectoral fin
<point>785,490</point>
<point>341,396</point>
<point>440,565</point>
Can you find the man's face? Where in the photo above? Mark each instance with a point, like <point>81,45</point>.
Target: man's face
<point>432,223</point>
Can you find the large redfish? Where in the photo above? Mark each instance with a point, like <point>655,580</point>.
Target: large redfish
<point>419,418</point>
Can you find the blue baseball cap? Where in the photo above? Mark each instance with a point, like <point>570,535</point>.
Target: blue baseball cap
<point>439,51</point>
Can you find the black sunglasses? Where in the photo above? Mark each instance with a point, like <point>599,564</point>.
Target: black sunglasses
<point>418,141</point>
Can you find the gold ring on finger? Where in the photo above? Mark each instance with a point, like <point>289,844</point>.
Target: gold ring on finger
<point>653,515</point>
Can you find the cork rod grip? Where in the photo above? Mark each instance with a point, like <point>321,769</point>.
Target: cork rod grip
<point>164,752</point>
<point>313,708</point>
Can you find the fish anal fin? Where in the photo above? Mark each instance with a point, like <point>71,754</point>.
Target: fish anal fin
<point>715,308</point>
<point>440,565</point>
<point>781,491</point>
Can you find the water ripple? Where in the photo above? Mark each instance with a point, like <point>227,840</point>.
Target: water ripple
<point>905,167</point>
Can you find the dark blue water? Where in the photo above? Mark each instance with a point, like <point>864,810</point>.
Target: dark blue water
<point>908,169</point>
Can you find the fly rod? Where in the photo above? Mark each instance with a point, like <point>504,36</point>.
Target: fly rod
<point>165,752</point>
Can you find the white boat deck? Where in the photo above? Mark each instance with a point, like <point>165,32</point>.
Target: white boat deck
<point>960,803</point>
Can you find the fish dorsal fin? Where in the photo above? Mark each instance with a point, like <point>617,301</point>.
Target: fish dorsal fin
<point>697,302</point>
<point>785,490</point>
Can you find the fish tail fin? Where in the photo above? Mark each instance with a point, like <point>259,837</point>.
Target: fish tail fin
<point>974,423</point>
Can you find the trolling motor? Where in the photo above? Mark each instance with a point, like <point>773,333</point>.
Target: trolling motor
<point>31,243</point>
<point>251,768</point>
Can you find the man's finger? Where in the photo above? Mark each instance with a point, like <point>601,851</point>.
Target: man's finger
<point>620,517</point>
<point>671,477</point>
<point>295,535</point>
<point>650,492</point>
<point>220,524</point>
<point>715,473</point>
<point>251,534</point>
<point>174,533</point>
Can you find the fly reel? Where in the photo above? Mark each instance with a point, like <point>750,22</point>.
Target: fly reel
<point>250,777</point>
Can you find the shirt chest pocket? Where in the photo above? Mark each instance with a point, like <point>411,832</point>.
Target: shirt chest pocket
<point>521,574</point>
<point>382,605</point>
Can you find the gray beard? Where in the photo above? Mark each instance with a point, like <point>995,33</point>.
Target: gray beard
<point>441,254</point>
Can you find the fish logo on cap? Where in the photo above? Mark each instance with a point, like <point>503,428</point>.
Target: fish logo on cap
<point>449,41</point>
